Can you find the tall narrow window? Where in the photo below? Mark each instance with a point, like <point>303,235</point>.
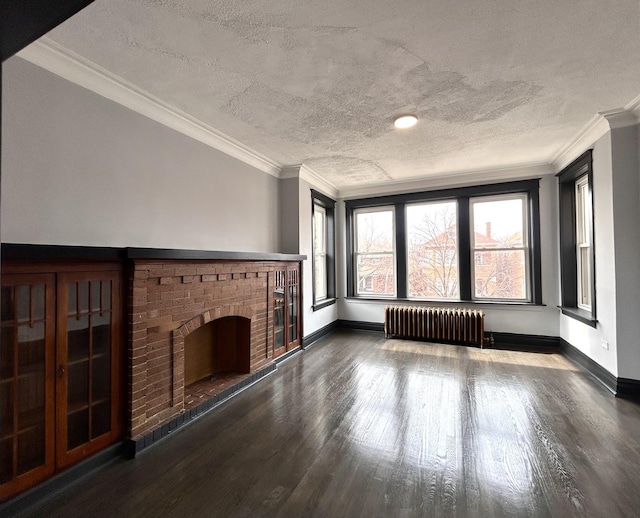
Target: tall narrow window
<point>583,243</point>
<point>374,255</point>
<point>323,229</point>
<point>432,250</point>
<point>320,251</point>
<point>577,254</point>
<point>499,247</point>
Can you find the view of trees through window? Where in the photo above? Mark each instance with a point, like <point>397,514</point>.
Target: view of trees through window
<point>432,250</point>
<point>375,272</point>
<point>499,247</point>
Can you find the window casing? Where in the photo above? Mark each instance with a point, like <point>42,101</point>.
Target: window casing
<point>451,245</point>
<point>500,247</point>
<point>374,255</point>
<point>323,240</point>
<point>577,249</point>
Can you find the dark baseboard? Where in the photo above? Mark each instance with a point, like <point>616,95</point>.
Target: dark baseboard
<point>37,495</point>
<point>311,339</point>
<point>287,355</point>
<point>628,388</point>
<point>361,326</point>
<point>522,342</point>
<point>135,446</point>
<point>601,374</point>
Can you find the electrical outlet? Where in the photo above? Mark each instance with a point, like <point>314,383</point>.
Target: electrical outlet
<point>605,344</point>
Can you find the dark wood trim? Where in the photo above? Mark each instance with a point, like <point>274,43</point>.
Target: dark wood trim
<point>567,225</point>
<point>323,304</point>
<point>297,349</point>
<point>23,22</point>
<point>628,388</point>
<point>207,255</point>
<point>28,252</point>
<point>608,380</point>
<point>444,194</point>
<point>312,338</point>
<point>36,496</point>
<point>454,303</point>
<point>462,195</point>
<point>360,325</point>
<point>402,277</point>
<point>133,447</point>
<point>517,341</point>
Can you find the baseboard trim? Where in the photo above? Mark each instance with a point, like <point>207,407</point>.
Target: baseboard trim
<point>309,340</point>
<point>608,380</point>
<point>287,355</point>
<point>628,388</point>
<point>36,496</point>
<point>517,341</point>
<point>360,325</point>
<point>134,446</point>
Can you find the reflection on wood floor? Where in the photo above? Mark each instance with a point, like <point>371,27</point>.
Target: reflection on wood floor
<point>362,426</point>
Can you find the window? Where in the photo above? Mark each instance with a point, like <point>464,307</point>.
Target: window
<point>374,251</point>
<point>499,244</point>
<point>577,254</point>
<point>467,244</point>
<point>432,250</point>
<point>323,209</point>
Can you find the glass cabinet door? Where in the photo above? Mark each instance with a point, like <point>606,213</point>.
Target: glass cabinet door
<point>292,301</point>
<point>280,287</point>
<point>26,381</point>
<point>87,338</point>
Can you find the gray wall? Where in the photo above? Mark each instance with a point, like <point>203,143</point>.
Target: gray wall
<point>78,169</point>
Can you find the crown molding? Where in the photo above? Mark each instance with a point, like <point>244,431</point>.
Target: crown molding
<point>65,63</point>
<point>304,172</point>
<point>473,177</point>
<point>597,126</point>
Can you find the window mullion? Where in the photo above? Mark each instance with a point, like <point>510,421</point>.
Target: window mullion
<point>401,251</point>
<point>464,248</point>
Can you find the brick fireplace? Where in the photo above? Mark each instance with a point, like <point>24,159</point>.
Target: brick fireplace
<point>171,301</point>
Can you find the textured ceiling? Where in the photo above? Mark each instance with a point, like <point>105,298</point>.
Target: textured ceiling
<point>495,83</point>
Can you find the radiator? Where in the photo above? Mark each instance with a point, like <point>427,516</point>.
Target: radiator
<point>463,326</point>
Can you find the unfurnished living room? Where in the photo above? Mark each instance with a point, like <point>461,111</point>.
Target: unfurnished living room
<point>320,258</point>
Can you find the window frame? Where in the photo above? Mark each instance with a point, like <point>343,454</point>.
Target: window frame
<point>526,238</point>
<point>568,180</point>
<point>329,206</point>
<point>393,252</point>
<point>462,195</point>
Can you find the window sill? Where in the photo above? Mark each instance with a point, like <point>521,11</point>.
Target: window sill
<point>448,302</point>
<point>324,303</point>
<point>580,315</point>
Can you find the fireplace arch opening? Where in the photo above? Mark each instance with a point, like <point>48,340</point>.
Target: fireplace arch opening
<point>217,349</point>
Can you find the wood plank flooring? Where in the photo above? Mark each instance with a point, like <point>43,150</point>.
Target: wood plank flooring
<point>362,426</point>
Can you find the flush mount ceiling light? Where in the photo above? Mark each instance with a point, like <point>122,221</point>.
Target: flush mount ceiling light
<point>405,121</point>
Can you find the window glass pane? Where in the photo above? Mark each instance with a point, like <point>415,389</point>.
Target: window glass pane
<point>319,251</point>
<point>321,277</point>
<point>498,223</point>
<point>375,261</point>
<point>374,231</point>
<point>432,250</point>
<point>500,274</point>
<point>319,229</point>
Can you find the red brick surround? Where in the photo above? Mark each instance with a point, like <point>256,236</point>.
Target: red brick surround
<point>170,299</point>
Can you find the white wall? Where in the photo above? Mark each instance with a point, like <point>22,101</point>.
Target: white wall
<point>626,214</point>
<point>78,169</point>
<point>535,320</point>
<point>581,336</point>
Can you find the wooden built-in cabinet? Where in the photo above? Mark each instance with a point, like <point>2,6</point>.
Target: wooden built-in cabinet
<point>60,369</point>
<point>286,318</point>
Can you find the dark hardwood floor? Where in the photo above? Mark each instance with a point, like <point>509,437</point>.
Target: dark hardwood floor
<point>363,426</point>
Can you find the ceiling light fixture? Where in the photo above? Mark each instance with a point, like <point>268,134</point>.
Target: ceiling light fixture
<point>405,121</point>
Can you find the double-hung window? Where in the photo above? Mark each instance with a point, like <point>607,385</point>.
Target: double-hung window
<point>323,209</point>
<point>500,247</point>
<point>477,243</point>
<point>374,255</point>
<point>577,254</point>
